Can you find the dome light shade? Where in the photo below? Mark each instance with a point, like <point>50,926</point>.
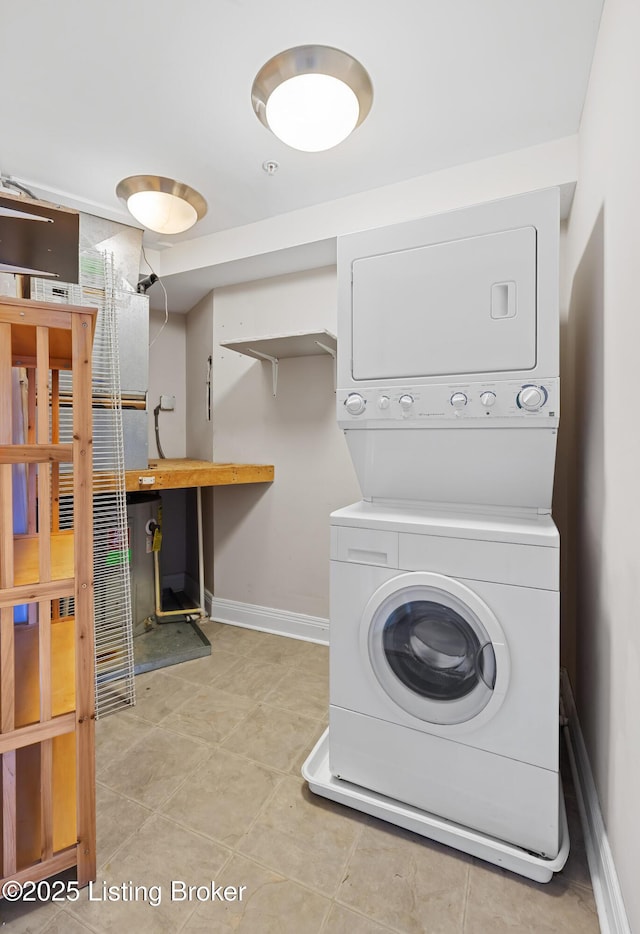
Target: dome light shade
<point>312,97</point>
<point>312,112</point>
<point>161,204</point>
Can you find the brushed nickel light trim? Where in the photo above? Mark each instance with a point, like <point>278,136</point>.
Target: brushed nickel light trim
<point>148,184</point>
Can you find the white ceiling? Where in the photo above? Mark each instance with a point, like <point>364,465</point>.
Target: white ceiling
<point>93,92</point>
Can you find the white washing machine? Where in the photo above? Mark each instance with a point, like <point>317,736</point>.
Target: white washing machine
<point>448,354</point>
<point>444,641</point>
<point>444,666</point>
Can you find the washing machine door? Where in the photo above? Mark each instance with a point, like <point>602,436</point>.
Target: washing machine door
<point>436,648</point>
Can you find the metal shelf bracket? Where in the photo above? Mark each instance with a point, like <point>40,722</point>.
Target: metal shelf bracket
<point>332,353</point>
<point>274,367</point>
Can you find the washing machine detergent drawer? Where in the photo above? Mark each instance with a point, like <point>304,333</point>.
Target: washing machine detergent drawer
<point>495,795</point>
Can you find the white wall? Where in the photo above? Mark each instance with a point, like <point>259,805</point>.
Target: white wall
<point>199,347</point>
<point>236,252</point>
<point>602,463</point>
<point>167,356</point>
<point>271,542</point>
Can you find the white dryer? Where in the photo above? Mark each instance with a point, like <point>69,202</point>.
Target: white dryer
<point>448,354</point>
<point>444,666</point>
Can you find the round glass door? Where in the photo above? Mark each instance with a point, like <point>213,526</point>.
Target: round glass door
<point>432,653</point>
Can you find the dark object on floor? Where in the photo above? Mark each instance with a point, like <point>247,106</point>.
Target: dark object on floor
<point>170,643</point>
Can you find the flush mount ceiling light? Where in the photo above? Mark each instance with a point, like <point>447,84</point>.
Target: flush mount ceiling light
<point>312,97</point>
<point>162,204</point>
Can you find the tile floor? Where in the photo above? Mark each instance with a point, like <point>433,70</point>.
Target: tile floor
<point>201,782</point>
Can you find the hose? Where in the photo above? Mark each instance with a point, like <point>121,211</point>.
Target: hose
<point>156,413</point>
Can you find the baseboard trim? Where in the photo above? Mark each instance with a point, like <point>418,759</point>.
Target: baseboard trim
<point>604,878</point>
<point>265,619</point>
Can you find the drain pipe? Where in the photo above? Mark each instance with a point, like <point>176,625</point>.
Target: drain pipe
<point>197,612</point>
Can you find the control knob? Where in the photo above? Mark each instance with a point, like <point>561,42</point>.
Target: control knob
<point>487,399</point>
<point>384,402</point>
<point>406,401</point>
<point>531,398</point>
<point>458,400</point>
<point>355,404</point>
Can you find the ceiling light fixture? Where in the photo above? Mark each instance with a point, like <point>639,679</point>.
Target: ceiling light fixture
<point>312,97</point>
<point>161,204</point>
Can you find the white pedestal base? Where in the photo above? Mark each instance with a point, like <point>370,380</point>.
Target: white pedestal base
<point>320,780</point>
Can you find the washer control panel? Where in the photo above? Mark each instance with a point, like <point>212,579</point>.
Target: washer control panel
<point>458,400</point>
<point>532,397</point>
<point>484,401</point>
<point>355,404</point>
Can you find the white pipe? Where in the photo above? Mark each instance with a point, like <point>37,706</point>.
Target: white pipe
<point>200,550</point>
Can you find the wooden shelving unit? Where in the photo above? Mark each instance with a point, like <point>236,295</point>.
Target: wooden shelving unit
<point>47,682</point>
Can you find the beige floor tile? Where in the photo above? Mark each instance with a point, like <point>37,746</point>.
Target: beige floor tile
<point>116,818</point>
<point>303,693</point>
<point>159,853</point>
<point>209,714</point>
<point>272,736</point>
<point>406,882</point>
<point>206,669</point>
<point>153,768</point>
<point>65,923</point>
<point>269,647</point>
<point>271,904</point>
<point>344,921</point>
<point>304,837</point>
<point>382,879</point>
<point>223,796</point>
<point>210,627</point>
<point>313,658</point>
<point>258,646</point>
<point>234,639</point>
<point>576,869</point>
<point>296,768</point>
<point>115,734</point>
<point>249,678</point>
<point>158,694</point>
<point>281,650</point>
<point>27,917</point>
<point>504,903</point>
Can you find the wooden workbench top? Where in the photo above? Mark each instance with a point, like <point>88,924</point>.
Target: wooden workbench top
<point>177,473</point>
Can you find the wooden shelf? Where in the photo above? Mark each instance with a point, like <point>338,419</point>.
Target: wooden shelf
<point>26,557</point>
<point>176,473</point>
<point>274,348</point>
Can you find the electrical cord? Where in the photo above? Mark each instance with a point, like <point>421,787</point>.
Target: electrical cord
<point>8,182</point>
<point>156,413</point>
<point>166,300</point>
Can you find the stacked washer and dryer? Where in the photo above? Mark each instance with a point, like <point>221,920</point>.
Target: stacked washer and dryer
<point>444,630</point>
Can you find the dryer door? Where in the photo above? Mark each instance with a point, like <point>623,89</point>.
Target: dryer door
<point>464,306</point>
<point>436,648</point>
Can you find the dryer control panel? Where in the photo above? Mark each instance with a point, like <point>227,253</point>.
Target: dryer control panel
<point>455,403</point>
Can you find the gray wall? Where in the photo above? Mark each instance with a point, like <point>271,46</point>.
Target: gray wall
<point>272,541</point>
<point>600,463</point>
